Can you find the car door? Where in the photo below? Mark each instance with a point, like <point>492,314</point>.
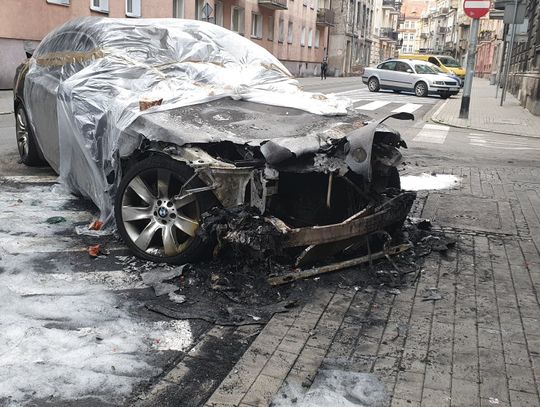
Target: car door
<point>403,76</point>
<point>41,89</point>
<point>385,71</point>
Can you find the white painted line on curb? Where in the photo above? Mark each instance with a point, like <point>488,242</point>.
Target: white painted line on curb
<point>432,133</point>
<point>407,108</point>
<point>29,179</point>
<point>440,108</point>
<point>373,105</point>
<point>52,244</point>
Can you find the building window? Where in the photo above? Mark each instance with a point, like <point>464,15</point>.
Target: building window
<point>178,8</point>
<point>256,25</point>
<point>218,5</point>
<point>62,2</point>
<point>237,19</point>
<point>101,6</point>
<point>133,8</point>
<point>270,28</point>
<point>290,33</point>
<point>317,38</point>
<point>199,9</point>
<point>303,37</point>
<point>310,38</point>
<point>281,37</point>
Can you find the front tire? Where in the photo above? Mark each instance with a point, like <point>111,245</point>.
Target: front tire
<point>373,85</point>
<point>154,220</point>
<point>26,141</point>
<point>421,89</point>
<point>445,95</point>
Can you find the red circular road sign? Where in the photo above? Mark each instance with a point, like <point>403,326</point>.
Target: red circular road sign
<point>476,8</point>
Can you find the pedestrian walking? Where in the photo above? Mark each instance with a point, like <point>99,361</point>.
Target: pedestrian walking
<point>324,67</point>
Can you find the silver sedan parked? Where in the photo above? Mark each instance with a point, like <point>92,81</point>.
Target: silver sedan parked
<point>409,76</point>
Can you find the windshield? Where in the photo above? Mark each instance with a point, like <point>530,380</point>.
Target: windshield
<point>424,69</point>
<point>449,62</point>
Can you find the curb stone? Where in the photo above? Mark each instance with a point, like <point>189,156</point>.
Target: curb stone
<point>439,121</point>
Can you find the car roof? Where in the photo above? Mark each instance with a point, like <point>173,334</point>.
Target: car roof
<point>411,61</point>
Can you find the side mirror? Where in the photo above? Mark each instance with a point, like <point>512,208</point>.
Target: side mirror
<point>409,70</point>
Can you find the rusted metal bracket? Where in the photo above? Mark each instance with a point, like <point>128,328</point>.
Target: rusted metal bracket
<point>301,274</point>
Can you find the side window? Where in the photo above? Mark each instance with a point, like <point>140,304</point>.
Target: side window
<point>69,41</point>
<point>389,66</point>
<point>434,60</point>
<point>402,66</point>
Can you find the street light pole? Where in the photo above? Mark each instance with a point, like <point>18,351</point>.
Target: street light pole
<point>471,57</point>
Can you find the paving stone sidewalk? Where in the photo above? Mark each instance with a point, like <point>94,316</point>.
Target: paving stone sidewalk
<point>485,114</point>
<point>477,346</point>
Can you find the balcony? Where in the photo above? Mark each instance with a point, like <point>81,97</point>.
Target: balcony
<point>388,34</point>
<point>273,4</point>
<point>401,18</point>
<point>424,36</point>
<point>325,17</point>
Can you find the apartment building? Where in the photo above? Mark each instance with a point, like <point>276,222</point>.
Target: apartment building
<point>524,74</point>
<point>409,30</point>
<point>388,18</point>
<point>295,31</point>
<point>350,39</point>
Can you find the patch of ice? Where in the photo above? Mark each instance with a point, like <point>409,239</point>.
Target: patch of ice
<point>428,181</point>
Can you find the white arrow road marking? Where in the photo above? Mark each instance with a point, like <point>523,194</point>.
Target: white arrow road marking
<point>373,105</point>
<point>432,133</point>
<point>407,108</point>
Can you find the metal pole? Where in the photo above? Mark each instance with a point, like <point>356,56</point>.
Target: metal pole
<point>501,63</point>
<point>510,50</point>
<point>471,56</point>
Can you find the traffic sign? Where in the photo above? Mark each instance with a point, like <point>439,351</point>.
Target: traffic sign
<point>207,11</point>
<point>476,8</point>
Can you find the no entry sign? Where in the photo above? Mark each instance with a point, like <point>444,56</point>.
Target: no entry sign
<point>476,8</point>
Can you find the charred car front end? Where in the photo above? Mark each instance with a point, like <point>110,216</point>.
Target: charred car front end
<point>164,123</point>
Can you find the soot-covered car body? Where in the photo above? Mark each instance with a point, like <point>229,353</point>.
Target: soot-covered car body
<point>160,122</point>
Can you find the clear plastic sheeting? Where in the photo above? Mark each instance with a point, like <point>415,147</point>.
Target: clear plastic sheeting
<point>90,79</point>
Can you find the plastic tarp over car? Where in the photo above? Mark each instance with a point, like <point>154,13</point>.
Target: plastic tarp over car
<point>103,70</point>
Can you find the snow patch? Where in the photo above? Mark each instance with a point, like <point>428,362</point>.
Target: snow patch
<point>335,388</point>
<point>65,336</point>
<point>428,181</point>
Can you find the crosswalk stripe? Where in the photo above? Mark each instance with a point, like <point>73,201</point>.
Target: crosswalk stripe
<point>373,105</point>
<point>432,133</point>
<point>407,108</point>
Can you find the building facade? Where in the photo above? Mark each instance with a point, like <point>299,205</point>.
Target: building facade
<point>524,75</point>
<point>295,31</point>
<point>409,30</point>
<point>388,18</point>
<point>350,36</point>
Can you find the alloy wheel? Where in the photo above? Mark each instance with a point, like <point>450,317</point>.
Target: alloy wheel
<point>420,89</point>
<point>159,219</point>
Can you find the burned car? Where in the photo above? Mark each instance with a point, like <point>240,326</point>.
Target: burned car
<point>159,122</point>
